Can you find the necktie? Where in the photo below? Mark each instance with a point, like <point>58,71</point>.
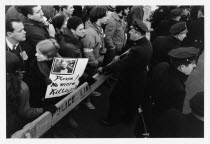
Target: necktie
<point>13,48</point>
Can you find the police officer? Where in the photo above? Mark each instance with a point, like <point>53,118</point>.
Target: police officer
<point>168,80</point>
<point>163,44</point>
<point>167,86</point>
<point>129,90</point>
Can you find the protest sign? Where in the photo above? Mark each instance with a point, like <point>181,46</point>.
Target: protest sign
<point>65,74</point>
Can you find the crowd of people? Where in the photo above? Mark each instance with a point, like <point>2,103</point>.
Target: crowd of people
<point>149,73</point>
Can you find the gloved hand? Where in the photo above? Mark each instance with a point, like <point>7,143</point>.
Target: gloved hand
<point>90,80</point>
<point>51,108</point>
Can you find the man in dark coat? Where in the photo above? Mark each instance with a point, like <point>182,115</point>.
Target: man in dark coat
<point>165,25</point>
<point>37,28</point>
<point>168,80</point>
<point>178,125</point>
<point>167,86</point>
<point>195,36</point>
<point>163,44</point>
<point>129,90</point>
<point>15,43</point>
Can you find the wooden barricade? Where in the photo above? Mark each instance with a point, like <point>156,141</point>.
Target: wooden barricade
<point>44,122</point>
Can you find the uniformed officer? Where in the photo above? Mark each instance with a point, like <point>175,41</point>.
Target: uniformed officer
<point>168,80</point>
<point>167,86</point>
<point>163,44</point>
<point>129,90</point>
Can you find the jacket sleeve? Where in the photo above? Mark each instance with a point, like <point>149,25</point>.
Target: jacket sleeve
<point>88,43</point>
<point>129,62</point>
<point>109,31</point>
<point>24,109</point>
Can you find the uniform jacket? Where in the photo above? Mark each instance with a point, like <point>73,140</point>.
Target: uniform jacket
<point>195,35</point>
<point>168,88</point>
<point>92,43</point>
<point>161,46</point>
<point>70,45</point>
<point>174,124</point>
<point>115,33</point>
<point>129,89</point>
<point>164,27</point>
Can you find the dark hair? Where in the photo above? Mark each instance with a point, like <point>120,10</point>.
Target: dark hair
<point>9,27</point>
<point>12,79</point>
<point>118,9</point>
<point>97,12</point>
<point>25,10</point>
<point>62,7</point>
<point>58,21</point>
<point>77,11</point>
<point>74,22</point>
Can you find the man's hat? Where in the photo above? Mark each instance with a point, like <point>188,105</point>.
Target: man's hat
<point>197,103</point>
<point>184,54</point>
<point>178,28</point>
<point>176,12</point>
<point>139,25</point>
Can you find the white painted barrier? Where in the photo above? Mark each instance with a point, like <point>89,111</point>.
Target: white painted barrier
<point>44,122</point>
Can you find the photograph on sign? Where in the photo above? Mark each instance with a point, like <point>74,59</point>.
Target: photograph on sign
<point>65,74</point>
<point>64,66</point>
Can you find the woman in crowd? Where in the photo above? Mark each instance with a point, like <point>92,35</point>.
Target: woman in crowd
<point>40,68</point>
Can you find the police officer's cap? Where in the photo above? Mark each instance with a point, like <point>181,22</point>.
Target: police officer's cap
<point>197,103</point>
<point>178,28</point>
<point>176,12</point>
<point>184,54</point>
<point>139,25</point>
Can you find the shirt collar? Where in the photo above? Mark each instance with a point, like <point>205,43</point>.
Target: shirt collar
<point>10,45</point>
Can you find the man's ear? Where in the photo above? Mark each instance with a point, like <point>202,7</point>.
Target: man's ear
<point>73,31</point>
<point>29,16</point>
<point>182,67</point>
<point>9,34</point>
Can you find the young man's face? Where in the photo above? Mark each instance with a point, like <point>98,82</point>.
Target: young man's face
<point>105,18</point>
<point>38,14</point>
<point>125,12</point>
<point>69,10</point>
<point>18,34</point>
<point>188,69</point>
<point>186,11</point>
<point>80,31</point>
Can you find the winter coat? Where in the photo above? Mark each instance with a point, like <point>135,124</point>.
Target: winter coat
<point>168,88</point>
<point>161,46</point>
<point>35,32</point>
<point>70,45</point>
<point>174,124</point>
<point>92,44</point>
<point>129,89</point>
<point>115,33</point>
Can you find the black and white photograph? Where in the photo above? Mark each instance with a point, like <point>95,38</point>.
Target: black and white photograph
<point>143,82</point>
<point>64,66</point>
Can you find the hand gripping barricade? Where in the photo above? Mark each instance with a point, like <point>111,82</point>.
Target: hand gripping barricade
<point>44,122</point>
